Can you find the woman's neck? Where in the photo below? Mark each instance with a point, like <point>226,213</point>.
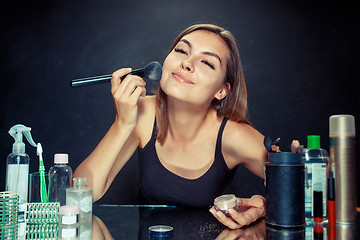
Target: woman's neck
<point>186,120</point>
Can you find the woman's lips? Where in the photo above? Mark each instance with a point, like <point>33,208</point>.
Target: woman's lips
<point>181,78</point>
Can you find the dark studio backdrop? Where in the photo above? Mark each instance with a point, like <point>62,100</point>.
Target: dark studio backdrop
<point>300,59</point>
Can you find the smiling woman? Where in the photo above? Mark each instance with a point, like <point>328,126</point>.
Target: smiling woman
<point>191,135</point>
<point>196,61</point>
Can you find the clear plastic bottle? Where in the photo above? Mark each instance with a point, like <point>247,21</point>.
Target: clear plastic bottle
<point>80,196</point>
<point>17,166</point>
<point>60,178</point>
<point>315,160</point>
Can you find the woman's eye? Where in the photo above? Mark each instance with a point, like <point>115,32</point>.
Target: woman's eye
<point>208,64</point>
<point>179,50</point>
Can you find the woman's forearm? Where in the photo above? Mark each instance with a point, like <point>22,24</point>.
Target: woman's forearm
<point>105,158</point>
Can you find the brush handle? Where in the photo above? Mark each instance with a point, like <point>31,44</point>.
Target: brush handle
<point>43,193</point>
<point>102,79</point>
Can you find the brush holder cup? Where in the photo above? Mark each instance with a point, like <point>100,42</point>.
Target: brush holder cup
<point>34,187</point>
<point>284,176</point>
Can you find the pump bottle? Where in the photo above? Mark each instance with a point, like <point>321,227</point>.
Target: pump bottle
<point>17,166</point>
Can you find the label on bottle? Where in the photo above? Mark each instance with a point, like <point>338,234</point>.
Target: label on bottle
<point>17,180</point>
<point>315,180</point>
<point>86,204</point>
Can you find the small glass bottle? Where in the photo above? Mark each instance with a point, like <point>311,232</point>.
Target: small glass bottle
<point>60,178</point>
<point>80,196</point>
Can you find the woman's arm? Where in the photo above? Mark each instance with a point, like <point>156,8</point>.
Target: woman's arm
<point>120,142</point>
<point>242,144</point>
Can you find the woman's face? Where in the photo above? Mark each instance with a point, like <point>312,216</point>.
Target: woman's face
<point>194,71</point>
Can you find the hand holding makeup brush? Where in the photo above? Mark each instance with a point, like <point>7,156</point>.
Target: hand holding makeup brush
<point>126,94</point>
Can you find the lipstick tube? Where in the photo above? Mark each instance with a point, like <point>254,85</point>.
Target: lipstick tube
<point>331,202</point>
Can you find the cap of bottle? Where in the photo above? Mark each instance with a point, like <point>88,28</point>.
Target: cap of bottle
<point>313,141</point>
<point>342,125</point>
<point>61,158</point>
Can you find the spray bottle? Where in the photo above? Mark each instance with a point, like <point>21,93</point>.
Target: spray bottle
<point>17,166</point>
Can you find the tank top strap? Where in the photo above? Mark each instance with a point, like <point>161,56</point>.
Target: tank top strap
<point>219,137</point>
<point>154,132</point>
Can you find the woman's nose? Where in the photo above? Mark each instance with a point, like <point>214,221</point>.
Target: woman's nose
<point>187,65</point>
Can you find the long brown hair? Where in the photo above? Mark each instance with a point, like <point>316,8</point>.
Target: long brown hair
<point>233,106</point>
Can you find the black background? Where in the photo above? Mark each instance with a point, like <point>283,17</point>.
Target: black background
<point>300,59</point>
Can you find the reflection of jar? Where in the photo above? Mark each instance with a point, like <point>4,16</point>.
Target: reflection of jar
<point>284,176</point>
<point>284,234</point>
<point>80,196</point>
<point>225,202</point>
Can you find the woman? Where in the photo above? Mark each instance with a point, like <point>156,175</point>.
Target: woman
<point>191,135</point>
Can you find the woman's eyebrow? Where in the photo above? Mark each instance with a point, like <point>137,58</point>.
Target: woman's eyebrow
<point>206,52</point>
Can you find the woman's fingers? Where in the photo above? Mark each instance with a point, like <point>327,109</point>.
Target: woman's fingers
<point>126,94</point>
<point>256,202</point>
<point>128,86</point>
<point>116,78</point>
<point>224,219</point>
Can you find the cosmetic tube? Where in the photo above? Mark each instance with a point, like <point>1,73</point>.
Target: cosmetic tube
<point>331,202</point>
<point>342,153</point>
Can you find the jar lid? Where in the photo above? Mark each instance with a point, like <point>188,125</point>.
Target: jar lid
<point>69,209</point>
<point>285,157</point>
<point>160,232</point>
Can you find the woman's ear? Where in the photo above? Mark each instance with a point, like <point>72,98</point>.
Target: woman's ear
<point>223,91</point>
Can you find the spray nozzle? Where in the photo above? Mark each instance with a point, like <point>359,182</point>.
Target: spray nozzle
<point>17,132</point>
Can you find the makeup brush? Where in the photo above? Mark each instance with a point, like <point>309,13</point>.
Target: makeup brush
<point>151,72</point>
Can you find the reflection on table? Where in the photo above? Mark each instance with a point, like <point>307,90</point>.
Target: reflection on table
<point>133,221</point>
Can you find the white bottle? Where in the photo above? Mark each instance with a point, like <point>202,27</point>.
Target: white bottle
<point>17,166</point>
<point>80,196</point>
<point>60,176</point>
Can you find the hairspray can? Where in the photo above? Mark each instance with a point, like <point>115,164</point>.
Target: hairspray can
<point>342,154</point>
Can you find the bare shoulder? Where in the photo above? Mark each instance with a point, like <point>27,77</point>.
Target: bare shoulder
<point>243,144</point>
<point>146,117</point>
<point>237,132</point>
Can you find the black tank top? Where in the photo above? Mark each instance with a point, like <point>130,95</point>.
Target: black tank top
<point>161,186</point>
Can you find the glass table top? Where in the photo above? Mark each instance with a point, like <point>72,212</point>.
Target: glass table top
<point>133,222</point>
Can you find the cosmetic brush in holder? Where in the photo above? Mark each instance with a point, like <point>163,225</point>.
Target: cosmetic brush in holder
<point>40,213</point>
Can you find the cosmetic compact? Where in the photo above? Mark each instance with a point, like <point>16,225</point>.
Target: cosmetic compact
<point>163,232</point>
<point>225,202</point>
